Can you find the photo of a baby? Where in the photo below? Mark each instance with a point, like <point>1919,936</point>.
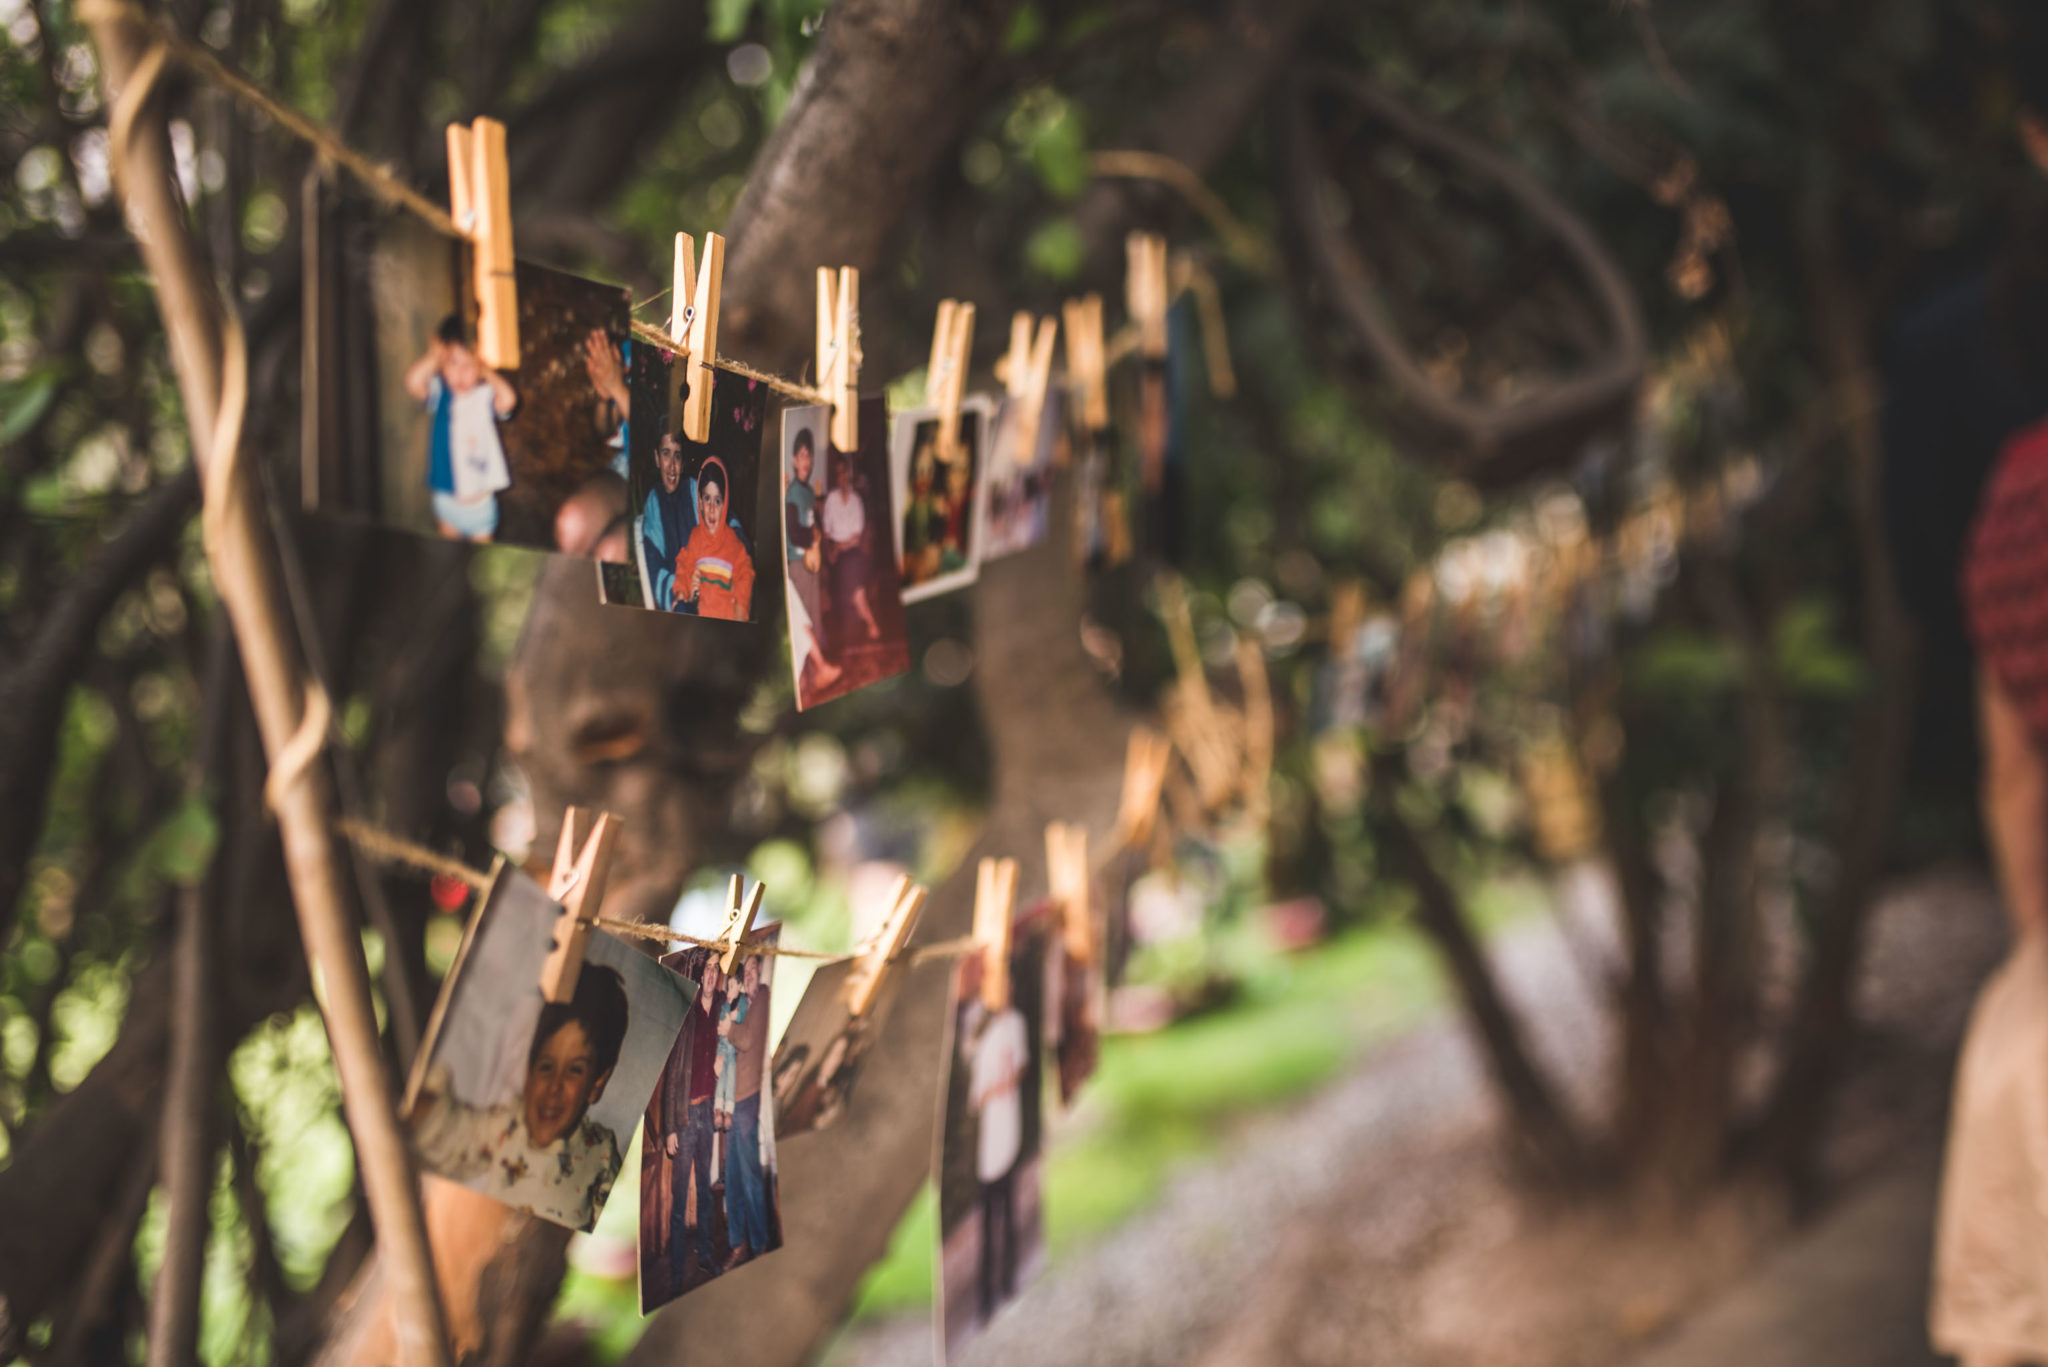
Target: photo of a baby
<point>528,1101</point>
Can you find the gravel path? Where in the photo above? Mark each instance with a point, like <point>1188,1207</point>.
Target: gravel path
<point>1368,1223</point>
<point>1165,1285</point>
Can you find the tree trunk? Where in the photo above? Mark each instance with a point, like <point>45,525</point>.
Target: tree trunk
<point>244,564</point>
<point>1543,1132</point>
<point>1875,777</point>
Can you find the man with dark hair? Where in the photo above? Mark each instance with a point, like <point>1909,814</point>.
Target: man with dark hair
<point>669,516</point>
<point>540,1151</point>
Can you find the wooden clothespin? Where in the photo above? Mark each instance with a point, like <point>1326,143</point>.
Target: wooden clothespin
<point>480,201</point>
<point>1145,291</point>
<point>1066,876</point>
<point>946,377</point>
<point>995,895</point>
<point>739,921</point>
<point>693,326</point>
<point>1084,360</point>
<point>582,863</point>
<point>839,351</point>
<point>1145,761</point>
<point>879,955</point>
<point>1026,371</point>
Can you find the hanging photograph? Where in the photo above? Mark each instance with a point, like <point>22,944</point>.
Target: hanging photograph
<point>1020,476</point>
<point>532,1102</point>
<point>823,1048</point>
<point>941,505</point>
<point>707,1157</point>
<point>1075,992</point>
<point>991,1168</point>
<point>695,548</point>
<point>846,626</point>
<point>408,427</point>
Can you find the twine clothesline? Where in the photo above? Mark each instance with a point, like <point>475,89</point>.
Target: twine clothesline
<point>167,42</point>
<point>382,847</point>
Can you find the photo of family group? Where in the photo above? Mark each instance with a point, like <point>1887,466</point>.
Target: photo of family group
<point>823,1048</point>
<point>846,626</point>
<point>1020,479</point>
<point>408,427</point>
<point>991,1173</point>
<point>532,1102</point>
<point>694,547</point>
<point>941,505</point>
<point>707,1168</point>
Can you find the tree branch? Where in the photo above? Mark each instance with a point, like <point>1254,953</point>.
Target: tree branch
<point>1502,440</point>
<point>34,691</point>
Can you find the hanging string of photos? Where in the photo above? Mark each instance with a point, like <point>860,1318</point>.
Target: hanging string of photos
<point>453,389</point>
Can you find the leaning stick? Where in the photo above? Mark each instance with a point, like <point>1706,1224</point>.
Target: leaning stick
<point>206,353</point>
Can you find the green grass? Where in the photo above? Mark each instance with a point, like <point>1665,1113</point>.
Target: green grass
<point>1160,1101</point>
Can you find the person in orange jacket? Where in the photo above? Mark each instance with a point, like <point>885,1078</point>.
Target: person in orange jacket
<point>713,569</point>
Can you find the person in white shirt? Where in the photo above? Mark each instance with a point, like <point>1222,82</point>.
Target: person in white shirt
<point>845,521</point>
<point>1002,1053</point>
<point>538,1151</point>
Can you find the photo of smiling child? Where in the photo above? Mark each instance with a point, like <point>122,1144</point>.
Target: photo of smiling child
<point>532,1102</point>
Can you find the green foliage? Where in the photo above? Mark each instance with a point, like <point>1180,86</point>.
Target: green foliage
<point>1686,665</point>
<point>1046,128</point>
<point>1809,656</point>
<point>1054,249</point>
<point>23,402</point>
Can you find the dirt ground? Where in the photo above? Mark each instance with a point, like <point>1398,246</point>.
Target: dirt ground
<point>1375,1224</point>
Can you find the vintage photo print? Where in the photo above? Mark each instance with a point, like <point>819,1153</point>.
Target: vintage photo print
<point>533,1102</point>
<point>695,546</point>
<point>941,506</point>
<point>1075,1003</point>
<point>408,426</point>
<point>991,1168</point>
<point>1019,480</point>
<point>823,1048</point>
<point>846,626</point>
<point>707,1157</point>
<point>1102,533</point>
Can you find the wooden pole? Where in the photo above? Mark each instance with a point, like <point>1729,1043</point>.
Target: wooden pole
<point>244,564</point>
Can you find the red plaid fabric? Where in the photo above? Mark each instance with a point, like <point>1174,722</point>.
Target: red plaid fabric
<point>2005,574</point>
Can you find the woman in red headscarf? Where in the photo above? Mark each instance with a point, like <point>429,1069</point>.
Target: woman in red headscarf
<point>1990,1304</point>
<point>713,569</point>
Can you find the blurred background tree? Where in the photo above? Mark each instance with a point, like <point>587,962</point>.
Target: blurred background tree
<point>1518,257</point>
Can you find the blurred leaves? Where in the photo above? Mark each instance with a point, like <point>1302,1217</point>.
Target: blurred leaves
<point>23,402</point>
